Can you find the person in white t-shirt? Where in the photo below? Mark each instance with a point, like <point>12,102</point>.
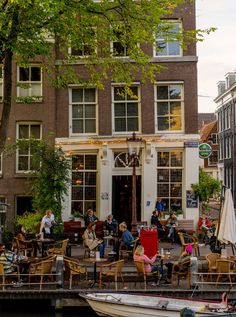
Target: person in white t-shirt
<point>46,224</point>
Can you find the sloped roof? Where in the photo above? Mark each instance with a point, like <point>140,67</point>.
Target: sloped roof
<point>205,118</point>
<point>206,130</point>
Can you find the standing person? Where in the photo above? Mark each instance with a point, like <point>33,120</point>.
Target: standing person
<point>47,223</point>
<point>91,241</point>
<point>90,217</point>
<point>159,207</point>
<point>171,224</point>
<point>156,222</point>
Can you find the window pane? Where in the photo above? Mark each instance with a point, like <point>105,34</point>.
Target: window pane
<point>23,131</point>
<point>89,95</point>
<point>162,175</point>
<point>77,162</point>
<point>163,123</point>
<point>175,123</point>
<point>162,92</point>
<point>118,49</point>
<point>36,90</point>
<point>176,158</point>
<point>132,124</point>
<point>35,74</point>
<point>77,95</point>
<point>176,190</point>
<point>90,126</point>
<point>134,93</point>
<point>77,178</point>
<point>24,151</point>
<point>120,125</point>
<point>77,111</point>
<point>176,204</point>
<point>90,162</point>
<point>77,193</point>
<point>24,92</point>
<point>174,48</point>
<point>90,193</point>
<point>175,92</point>
<point>90,111</point>
<point>77,206</point>
<point>35,132</point>
<point>163,190</point>
<point>163,158</point>
<point>119,93</point>
<point>77,126</point>
<point>23,163</point>
<point>161,48</point>
<point>175,108</point>
<point>24,74</point>
<point>90,178</point>
<point>176,175</point>
<point>132,109</point>
<point>120,110</point>
<point>162,108</point>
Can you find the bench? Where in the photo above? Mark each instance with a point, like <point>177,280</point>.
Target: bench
<point>185,225</point>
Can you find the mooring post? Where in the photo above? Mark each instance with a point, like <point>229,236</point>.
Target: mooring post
<point>60,271</point>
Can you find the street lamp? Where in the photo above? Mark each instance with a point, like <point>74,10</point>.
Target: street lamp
<point>134,146</point>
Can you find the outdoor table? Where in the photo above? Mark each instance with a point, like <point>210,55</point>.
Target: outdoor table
<point>44,244</point>
<point>94,261</point>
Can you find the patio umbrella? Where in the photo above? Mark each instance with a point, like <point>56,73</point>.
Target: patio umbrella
<point>227,224</point>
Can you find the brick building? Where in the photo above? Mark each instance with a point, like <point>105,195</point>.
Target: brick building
<point>92,125</point>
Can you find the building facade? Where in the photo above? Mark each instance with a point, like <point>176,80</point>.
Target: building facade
<point>225,111</point>
<point>91,125</point>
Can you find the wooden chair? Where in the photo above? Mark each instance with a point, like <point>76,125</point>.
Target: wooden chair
<point>186,239</point>
<point>181,271</point>
<point>141,272</point>
<point>224,268</point>
<point>112,270</point>
<point>124,251</point>
<point>58,248</point>
<point>211,260</point>
<point>75,269</point>
<point>23,247</point>
<point>41,269</point>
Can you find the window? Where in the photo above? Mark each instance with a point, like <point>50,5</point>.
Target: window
<point>213,159</point>
<point>87,45</point>
<point>119,47</point>
<point>214,138</point>
<point>3,207</point>
<point>126,109</point>
<point>23,204</point>
<point>1,83</point>
<point>29,82</point>
<point>169,106</point>
<point>169,179</point>
<point>167,39</point>
<point>84,181</point>
<point>26,131</point>
<point>83,109</point>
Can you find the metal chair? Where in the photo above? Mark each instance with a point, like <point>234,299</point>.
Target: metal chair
<point>112,270</point>
<point>141,272</point>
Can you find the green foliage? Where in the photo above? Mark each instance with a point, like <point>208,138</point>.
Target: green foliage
<point>7,236</point>
<point>30,221</point>
<point>207,187</point>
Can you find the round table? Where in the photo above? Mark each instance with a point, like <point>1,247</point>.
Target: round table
<point>94,261</point>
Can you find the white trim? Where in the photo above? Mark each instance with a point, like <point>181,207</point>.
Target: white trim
<point>30,82</point>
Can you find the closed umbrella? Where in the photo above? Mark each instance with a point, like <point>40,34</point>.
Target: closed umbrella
<point>227,225</point>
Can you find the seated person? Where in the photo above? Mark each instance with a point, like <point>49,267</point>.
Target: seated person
<point>90,217</point>
<point>204,223</point>
<point>22,242</point>
<point>91,241</point>
<point>156,222</point>
<point>110,225</point>
<point>148,263</point>
<point>127,239</point>
<point>171,224</point>
<point>9,260</point>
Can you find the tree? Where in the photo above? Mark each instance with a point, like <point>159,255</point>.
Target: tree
<point>206,188</point>
<point>30,28</point>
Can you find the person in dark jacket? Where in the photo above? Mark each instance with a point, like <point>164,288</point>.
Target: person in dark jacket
<point>156,222</point>
<point>90,217</point>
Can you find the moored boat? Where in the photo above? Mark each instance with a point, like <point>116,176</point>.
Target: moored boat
<point>142,305</point>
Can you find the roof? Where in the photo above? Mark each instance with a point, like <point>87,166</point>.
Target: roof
<point>205,118</point>
<point>206,130</point>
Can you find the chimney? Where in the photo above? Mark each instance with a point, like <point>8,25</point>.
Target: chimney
<point>230,79</point>
<point>221,87</point>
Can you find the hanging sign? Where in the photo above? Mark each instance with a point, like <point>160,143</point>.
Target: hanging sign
<point>205,150</point>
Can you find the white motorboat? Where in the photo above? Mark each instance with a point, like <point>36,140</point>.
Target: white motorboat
<point>146,305</point>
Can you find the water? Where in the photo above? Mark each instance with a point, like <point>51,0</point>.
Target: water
<point>31,308</point>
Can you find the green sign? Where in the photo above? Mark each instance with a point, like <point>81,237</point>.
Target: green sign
<point>205,150</point>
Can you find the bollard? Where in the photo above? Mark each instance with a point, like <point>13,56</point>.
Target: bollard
<point>194,271</point>
<point>59,271</point>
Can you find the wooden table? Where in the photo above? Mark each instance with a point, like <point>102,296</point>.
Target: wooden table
<point>45,243</point>
<point>94,261</point>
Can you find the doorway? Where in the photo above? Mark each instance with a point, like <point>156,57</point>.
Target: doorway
<point>122,198</point>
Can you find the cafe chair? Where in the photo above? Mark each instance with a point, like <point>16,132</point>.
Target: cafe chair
<point>223,268</point>
<point>58,248</point>
<point>186,239</point>
<point>125,251</point>
<point>41,270</point>
<point>111,271</point>
<point>181,271</point>
<point>74,269</point>
<point>23,247</point>
<point>140,267</point>
<point>211,260</point>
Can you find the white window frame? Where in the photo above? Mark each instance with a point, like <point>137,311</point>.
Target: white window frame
<point>156,52</point>
<point>211,163</point>
<point>75,103</point>
<point>136,84</point>
<point>30,82</point>
<point>162,83</point>
<point>29,154</point>
<point>83,55</point>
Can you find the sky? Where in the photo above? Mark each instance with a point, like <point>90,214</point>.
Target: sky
<point>217,53</point>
